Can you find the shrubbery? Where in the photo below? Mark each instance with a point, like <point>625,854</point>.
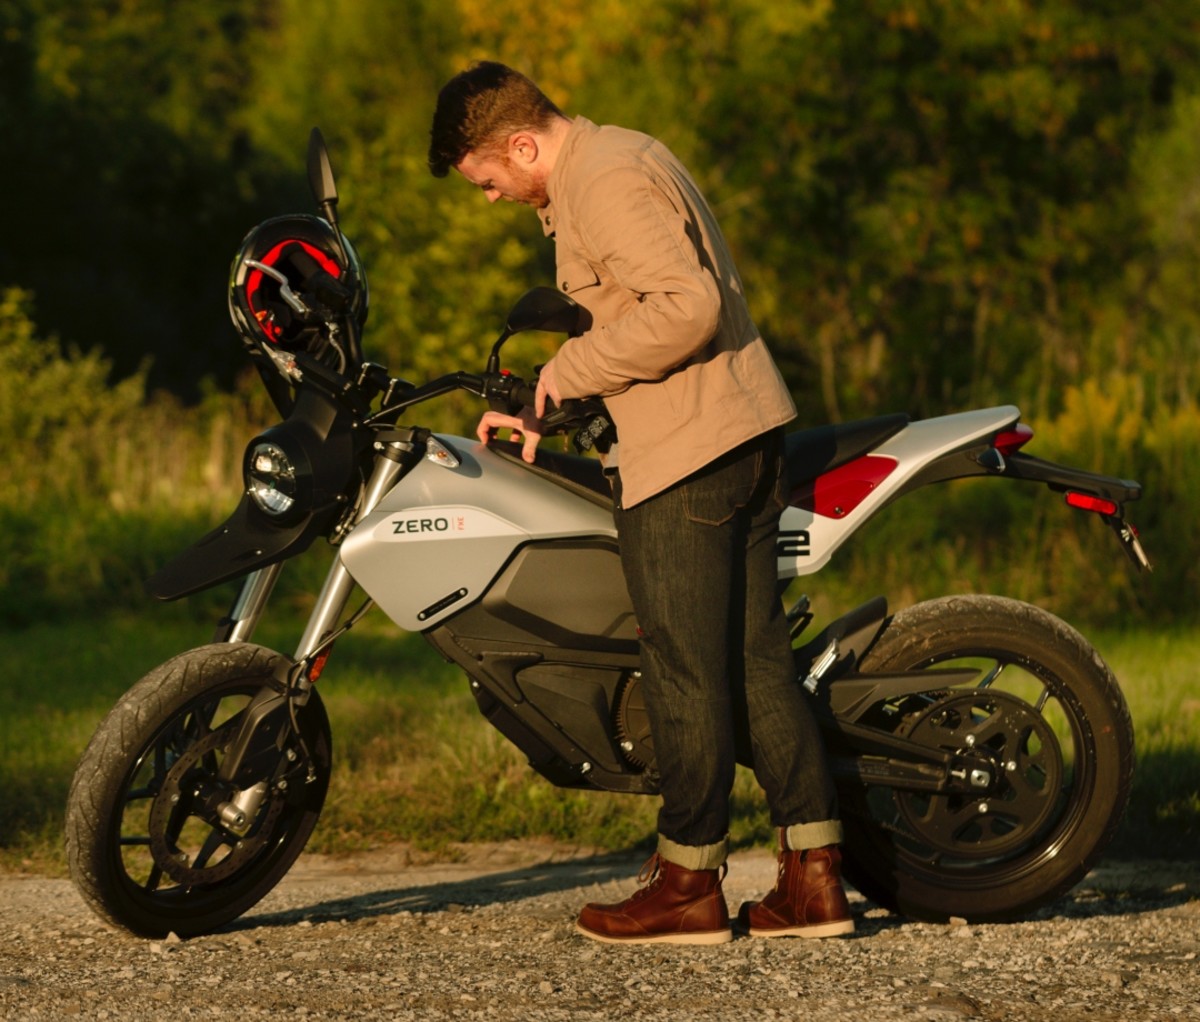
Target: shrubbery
<point>100,479</point>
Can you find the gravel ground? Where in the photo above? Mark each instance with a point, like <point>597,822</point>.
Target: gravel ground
<point>492,937</point>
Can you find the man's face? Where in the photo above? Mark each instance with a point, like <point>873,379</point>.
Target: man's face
<point>503,177</point>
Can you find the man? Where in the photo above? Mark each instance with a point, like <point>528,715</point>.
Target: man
<point>698,406</point>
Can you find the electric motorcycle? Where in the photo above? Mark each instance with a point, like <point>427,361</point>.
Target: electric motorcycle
<point>981,747</point>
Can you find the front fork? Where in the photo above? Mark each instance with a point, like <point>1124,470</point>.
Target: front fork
<point>396,454</point>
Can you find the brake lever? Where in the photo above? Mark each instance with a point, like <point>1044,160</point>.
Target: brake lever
<point>285,290</point>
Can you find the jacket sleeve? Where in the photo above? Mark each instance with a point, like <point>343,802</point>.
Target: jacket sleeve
<point>645,241</point>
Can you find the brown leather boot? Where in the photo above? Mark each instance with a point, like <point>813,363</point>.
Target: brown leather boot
<point>808,899</point>
<point>674,906</point>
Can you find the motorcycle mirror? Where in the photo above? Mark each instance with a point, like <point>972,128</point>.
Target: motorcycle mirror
<point>320,172</point>
<point>540,308</point>
<point>543,308</point>
<point>324,189</point>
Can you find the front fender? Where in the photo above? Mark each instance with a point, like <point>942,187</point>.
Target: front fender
<point>248,540</point>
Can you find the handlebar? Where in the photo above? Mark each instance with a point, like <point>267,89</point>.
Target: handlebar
<point>507,393</point>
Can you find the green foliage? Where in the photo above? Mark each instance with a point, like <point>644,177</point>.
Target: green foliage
<point>56,413</point>
<point>939,209</point>
<point>933,206</point>
<point>102,482</point>
<point>132,182</point>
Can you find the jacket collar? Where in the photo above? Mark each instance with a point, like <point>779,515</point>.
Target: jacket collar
<point>581,129</point>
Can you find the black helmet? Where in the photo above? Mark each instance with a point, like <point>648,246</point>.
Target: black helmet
<point>291,290</point>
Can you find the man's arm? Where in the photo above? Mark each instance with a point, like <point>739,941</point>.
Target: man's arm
<point>652,249</point>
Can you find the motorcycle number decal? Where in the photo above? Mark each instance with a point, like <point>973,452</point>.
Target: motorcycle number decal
<point>793,543</point>
<point>442,523</point>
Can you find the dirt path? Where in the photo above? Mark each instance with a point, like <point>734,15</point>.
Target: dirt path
<point>492,937</point>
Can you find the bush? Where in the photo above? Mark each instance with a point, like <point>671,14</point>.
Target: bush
<point>101,481</point>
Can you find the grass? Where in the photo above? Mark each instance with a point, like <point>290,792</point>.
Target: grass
<point>415,762</point>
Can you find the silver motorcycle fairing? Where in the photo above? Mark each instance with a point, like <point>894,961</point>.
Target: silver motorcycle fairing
<point>430,547</point>
<point>823,513</point>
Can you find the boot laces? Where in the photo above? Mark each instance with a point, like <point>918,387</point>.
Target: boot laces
<point>651,874</point>
<point>648,877</point>
<point>650,870</point>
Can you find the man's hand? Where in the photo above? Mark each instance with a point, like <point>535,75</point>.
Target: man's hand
<point>524,426</point>
<point>527,425</point>
<point>547,386</point>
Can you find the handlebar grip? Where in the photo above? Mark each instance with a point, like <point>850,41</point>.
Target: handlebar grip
<point>524,394</point>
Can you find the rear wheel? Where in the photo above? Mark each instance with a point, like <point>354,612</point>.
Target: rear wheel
<point>156,841</point>
<point>1053,727</point>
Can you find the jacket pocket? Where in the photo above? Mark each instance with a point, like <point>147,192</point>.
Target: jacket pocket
<point>576,275</point>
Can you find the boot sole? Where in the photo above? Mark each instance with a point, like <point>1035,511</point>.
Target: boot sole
<point>709,937</point>
<point>839,928</point>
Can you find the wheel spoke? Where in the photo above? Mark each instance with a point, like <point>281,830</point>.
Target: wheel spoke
<point>989,679</point>
<point>202,718</point>
<point>160,763</point>
<point>153,879</point>
<point>212,843</point>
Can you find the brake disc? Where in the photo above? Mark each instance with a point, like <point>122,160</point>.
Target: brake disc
<point>171,813</point>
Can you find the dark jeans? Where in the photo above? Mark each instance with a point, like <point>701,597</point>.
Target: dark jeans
<point>699,561</point>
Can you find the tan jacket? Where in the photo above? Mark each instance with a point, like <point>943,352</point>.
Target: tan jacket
<point>671,347</point>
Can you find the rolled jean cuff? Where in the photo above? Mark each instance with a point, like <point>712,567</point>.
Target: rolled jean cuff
<point>694,856</point>
<point>800,836</point>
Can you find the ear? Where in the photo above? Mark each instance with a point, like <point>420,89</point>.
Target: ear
<point>523,147</point>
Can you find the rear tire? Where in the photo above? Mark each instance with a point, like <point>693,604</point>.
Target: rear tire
<point>1058,722</point>
<point>142,848</point>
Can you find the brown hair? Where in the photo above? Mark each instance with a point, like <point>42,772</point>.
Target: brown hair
<point>478,109</point>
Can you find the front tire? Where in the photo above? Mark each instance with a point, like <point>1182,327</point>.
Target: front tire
<point>143,845</point>
<point>1051,710</point>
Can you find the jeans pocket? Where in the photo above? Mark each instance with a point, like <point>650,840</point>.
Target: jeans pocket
<point>716,493</point>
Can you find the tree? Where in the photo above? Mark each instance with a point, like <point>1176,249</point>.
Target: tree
<point>132,183</point>
<point>938,193</point>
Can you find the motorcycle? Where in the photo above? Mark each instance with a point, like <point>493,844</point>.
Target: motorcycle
<point>982,749</point>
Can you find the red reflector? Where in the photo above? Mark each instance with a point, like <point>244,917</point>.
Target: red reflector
<point>1086,502</point>
<point>318,665</point>
<point>1012,439</point>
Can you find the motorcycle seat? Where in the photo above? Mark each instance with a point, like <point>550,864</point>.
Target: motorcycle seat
<point>807,453</point>
<point>810,452</point>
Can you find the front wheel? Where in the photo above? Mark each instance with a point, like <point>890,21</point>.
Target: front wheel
<point>1046,710</point>
<point>157,842</point>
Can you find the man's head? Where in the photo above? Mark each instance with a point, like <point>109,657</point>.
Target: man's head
<point>491,124</point>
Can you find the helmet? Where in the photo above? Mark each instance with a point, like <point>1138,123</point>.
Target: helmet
<point>290,289</point>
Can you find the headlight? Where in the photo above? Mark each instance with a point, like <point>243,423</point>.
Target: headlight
<point>271,478</point>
